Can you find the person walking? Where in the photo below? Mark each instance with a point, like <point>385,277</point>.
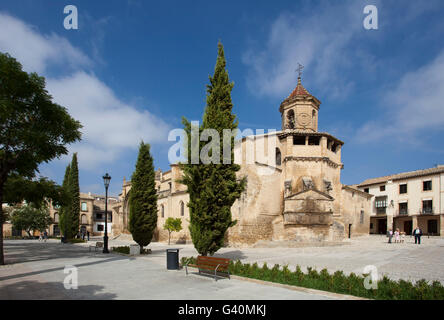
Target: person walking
<point>417,233</point>
<point>45,235</point>
<point>40,237</point>
<point>397,236</point>
<point>390,235</point>
<point>87,235</point>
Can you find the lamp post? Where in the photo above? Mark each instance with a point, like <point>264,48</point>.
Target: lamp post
<point>106,180</point>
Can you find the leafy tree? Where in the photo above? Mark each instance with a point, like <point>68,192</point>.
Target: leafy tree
<point>172,225</point>
<point>33,130</point>
<point>31,218</point>
<point>143,199</point>
<point>74,191</point>
<point>213,187</point>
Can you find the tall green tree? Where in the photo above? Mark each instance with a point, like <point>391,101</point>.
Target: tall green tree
<point>74,191</point>
<point>143,198</point>
<point>213,187</point>
<point>65,217</point>
<point>33,130</point>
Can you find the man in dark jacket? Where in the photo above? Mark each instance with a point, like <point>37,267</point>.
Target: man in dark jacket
<point>417,233</point>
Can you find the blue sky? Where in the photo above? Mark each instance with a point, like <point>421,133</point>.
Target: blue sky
<point>134,68</point>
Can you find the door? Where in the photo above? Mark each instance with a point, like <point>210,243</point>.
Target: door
<point>432,226</point>
<point>349,231</point>
<point>382,226</point>
<point>408,226</point>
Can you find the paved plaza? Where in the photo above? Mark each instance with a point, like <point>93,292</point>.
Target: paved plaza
<point>35,270</point>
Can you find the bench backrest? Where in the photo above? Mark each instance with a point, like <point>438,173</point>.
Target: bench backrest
<point>213,262</point>
<point>99,244</point>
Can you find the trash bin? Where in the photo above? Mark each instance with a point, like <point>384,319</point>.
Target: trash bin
<point>172,259</point>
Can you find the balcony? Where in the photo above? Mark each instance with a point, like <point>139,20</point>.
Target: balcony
<point>403,212</point>
<point>427,211</point>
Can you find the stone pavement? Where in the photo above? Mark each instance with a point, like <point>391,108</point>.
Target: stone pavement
<point>35,270</point>
<point>397,260</point>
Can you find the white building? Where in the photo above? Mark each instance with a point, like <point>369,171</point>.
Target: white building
<point>407,200</point>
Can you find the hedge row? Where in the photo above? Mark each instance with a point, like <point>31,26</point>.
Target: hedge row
<point>338,282</point>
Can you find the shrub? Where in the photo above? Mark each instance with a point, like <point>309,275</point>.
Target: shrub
<point>338,282</point>
<point>76,241</point>
<point>123,249</point>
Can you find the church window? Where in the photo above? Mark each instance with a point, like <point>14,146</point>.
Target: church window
<point>182,209</point>
<point>314,141</point>
<point>290,119</point>
<point>313,116</point>
<point>299,140</point>
<point>334,147</point>
<point>278,157</point>
<point>162,211</point>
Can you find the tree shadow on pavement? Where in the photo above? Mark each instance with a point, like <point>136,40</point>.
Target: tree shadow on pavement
<point>34,290</point>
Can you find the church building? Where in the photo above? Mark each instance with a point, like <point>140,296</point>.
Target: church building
<point>298,196</point>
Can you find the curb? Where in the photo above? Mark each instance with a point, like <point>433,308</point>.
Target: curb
<point>337,296</point>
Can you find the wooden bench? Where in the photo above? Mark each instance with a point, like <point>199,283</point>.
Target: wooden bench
<point>210,264</point>
<point>98,245</point>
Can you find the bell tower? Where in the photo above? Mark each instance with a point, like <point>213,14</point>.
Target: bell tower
<point>300,110</point>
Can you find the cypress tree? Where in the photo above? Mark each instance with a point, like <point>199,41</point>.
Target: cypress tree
<point>65,219</point>
<point>74,190</point>
<point>143,198</point>
<point>213,188</point>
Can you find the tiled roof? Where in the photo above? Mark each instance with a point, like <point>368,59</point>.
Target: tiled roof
<point>404,175</point>
<point>299,90</point>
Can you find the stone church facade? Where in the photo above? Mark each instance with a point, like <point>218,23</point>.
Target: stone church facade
<point>293,188</point>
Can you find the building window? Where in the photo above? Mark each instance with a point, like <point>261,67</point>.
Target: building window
<point>403,188</point>
<point>299,140</point>
<point>367,190</point>
<point>84,219</point>
<point>427,185</point>
<point>182,209</point>
<point>56,217</point>
<point>382,188</point>
<point>427,206</point>
<point>99,216</point>
<point>314,141</point>
<point>278,157</point>
<point>403,208</point>
<point>290,119</point>
<point>84,206</point>
<point>361,220</point>
<point>381,204</point>
<point>162,211</point>
<point>100,227</point>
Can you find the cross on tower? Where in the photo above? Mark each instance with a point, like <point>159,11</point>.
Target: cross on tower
<point>299,69</point>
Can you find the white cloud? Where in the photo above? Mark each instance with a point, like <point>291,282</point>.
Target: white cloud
<point>414,104</point>
<point>318,38</point>
<point>35,51</point>
<point>110,126</point>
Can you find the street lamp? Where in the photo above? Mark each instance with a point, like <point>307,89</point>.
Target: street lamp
<point>106,181</point>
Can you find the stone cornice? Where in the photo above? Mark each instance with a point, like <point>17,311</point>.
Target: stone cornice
<point>316,159</point>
